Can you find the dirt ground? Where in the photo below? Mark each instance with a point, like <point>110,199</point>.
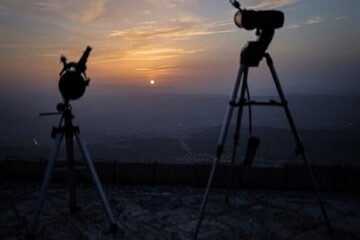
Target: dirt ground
<point>160,212</point>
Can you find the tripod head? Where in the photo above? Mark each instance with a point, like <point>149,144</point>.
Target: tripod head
<point>60,107</point>
<point>265,23</point>
<point>65,110</point>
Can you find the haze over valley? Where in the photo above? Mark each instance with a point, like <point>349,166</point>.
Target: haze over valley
<point>145,124</point>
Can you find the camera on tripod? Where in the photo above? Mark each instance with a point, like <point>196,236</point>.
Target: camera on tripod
<point>265,23</point>
<point>73,80</point>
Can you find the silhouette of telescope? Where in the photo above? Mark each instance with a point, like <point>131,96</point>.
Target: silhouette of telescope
<point>265,23</point>
<point>73,80</point>
<point>250,19</point>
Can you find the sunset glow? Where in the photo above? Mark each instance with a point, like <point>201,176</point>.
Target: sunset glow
<point>185,44</point>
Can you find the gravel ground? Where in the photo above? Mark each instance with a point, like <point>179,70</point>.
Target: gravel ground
<point>145,212</point>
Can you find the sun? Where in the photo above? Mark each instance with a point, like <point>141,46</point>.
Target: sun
<point>152,82</point>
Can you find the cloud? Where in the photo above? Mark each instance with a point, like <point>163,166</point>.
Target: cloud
<point>292,26</point>
<point>31,6</point>
<point>76,10</point>
<point>183,28</point>
<point>148,52</point>
<point>144,33</point>
<point>92,11</point>
<point>314,20</point>
<point>167,3</point>
<point>341,17</point>
<point>145,60</point>
<point>164,43</point>
<point>272,4</point>
<point>159,68</point>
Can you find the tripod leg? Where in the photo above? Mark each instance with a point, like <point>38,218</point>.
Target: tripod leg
<point>237,130</point>
<point>71,168</point>
<point>220,147</point>
<point>45,184</point>
<point>90,165</point>
<point>300,146</point>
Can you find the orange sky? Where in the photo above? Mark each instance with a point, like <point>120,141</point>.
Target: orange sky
<point>180,43</point>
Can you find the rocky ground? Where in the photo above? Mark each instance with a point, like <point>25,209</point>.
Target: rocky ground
<point>145,212</point>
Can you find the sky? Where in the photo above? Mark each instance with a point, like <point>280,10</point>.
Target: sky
<point>185,45</point>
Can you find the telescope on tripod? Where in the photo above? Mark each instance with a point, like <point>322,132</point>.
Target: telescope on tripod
<point>72,85</point>
<point>265,23</point>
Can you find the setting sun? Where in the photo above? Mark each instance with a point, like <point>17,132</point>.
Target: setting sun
<point>152,82</point>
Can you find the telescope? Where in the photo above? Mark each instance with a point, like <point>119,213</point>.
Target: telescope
<point>265,23</point>
<point>73,80</point>
<point>250,19</point>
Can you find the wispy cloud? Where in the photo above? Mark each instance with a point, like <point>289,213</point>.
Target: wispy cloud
<point>31,6</point>
<point>167,3</point>
<point>148,52</point>
<point>179,29</point>
<point>341,17</point>
<point>144,33</point>
<point>164,41</point>
<point>159,68</point>
<point>292,26</point>
<point>310,21</point>
<point>156,53</point>
<point>314,20</point>
<point>92,11</point>
<point>272,4</point>
<point>147,59</point>
<point>85,13</point>
<point>48,5</point>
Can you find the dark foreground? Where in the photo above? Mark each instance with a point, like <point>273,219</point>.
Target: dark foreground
<point>145,212</point>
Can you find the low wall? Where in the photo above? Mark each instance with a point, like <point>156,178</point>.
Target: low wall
<point>288,176</point>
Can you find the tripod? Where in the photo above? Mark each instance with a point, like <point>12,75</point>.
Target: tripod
<point>250,57</point>
<point>70,131</point>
